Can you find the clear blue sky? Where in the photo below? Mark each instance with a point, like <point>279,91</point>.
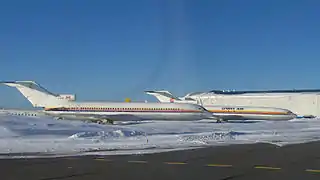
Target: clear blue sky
<point>111,50</point>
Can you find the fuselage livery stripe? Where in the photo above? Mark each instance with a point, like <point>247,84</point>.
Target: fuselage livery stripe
<point>94,109</point>
<point>249,112</point>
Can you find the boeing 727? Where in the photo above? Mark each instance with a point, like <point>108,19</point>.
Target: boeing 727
<point>224,112</point>
<point>106,112</point>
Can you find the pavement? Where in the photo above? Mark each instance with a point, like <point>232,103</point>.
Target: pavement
<point>234,162</point>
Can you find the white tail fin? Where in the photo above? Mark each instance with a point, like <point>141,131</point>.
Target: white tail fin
<point>37,95</point>
<point>163,96</point>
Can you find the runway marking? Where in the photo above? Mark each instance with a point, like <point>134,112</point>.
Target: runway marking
<point>267,167</point>
<point>313,170</point>
<point>138,161</point>
<point>175,163</point>
<point>102,159</point>
<point>71,158</point>
<point>219,165</point>
<point>208,165</point>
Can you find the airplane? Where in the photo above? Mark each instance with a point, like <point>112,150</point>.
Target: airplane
<point>225,113</point>
<point>106,112</point>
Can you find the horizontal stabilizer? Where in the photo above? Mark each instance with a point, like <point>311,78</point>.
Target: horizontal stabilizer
<point>69,97</point>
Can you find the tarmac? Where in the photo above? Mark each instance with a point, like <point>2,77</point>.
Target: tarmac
<point>234,162</point>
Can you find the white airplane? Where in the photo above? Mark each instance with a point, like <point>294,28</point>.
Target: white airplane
<point>225,113</point>
<point>106,112</point>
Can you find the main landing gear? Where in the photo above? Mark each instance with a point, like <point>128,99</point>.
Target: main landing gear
<point>105,121</point>
<point>58,118</point>
<point>220,120</point>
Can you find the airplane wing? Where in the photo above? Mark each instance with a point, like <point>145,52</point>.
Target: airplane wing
<point>232,117</point>
<point>227,117</point>
<point>119,117</point>
<point>96,118</point>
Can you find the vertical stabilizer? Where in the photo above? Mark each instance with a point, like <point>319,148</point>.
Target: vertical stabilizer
<point>37,95</point>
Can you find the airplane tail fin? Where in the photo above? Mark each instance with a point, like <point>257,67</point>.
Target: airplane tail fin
<point>163,96</point>
<point>36,95</point>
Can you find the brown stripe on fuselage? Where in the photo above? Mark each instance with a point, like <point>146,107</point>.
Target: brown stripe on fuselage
<point>249,112</point>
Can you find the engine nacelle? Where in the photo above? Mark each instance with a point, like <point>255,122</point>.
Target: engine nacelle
<point>69,97</point>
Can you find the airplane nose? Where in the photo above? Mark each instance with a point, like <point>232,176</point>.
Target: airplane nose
<point>292,115</point>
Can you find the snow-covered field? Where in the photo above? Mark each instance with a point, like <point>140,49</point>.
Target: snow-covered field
<point>48,136</point>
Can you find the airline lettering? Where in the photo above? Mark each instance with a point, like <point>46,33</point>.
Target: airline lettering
<point>231,108</point>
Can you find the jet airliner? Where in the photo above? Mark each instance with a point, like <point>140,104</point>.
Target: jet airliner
<point>106,112</point>
<point>225,113</point>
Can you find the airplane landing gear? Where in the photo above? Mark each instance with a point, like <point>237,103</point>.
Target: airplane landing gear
<point>110,121</point>
<point>105,121</point>
<point>220,120</point>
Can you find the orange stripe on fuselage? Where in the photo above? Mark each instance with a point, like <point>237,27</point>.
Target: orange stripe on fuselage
<point>248,112</point>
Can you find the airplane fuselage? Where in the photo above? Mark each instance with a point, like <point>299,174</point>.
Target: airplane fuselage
<point>251,113</point>
<point>226,112</point>
<point>130,111</point>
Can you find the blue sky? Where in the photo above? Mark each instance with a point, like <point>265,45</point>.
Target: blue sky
<point>110,50</point>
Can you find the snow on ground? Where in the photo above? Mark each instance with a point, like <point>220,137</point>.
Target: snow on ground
<point>48,136</point>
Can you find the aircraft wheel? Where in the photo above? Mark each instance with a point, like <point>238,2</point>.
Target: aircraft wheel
<point>110,121</point>
<point>219,121</point>
<point>99,122</point>
<point>106,121</point>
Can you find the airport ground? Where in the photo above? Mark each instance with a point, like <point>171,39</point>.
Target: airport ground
<point>257,161</point>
